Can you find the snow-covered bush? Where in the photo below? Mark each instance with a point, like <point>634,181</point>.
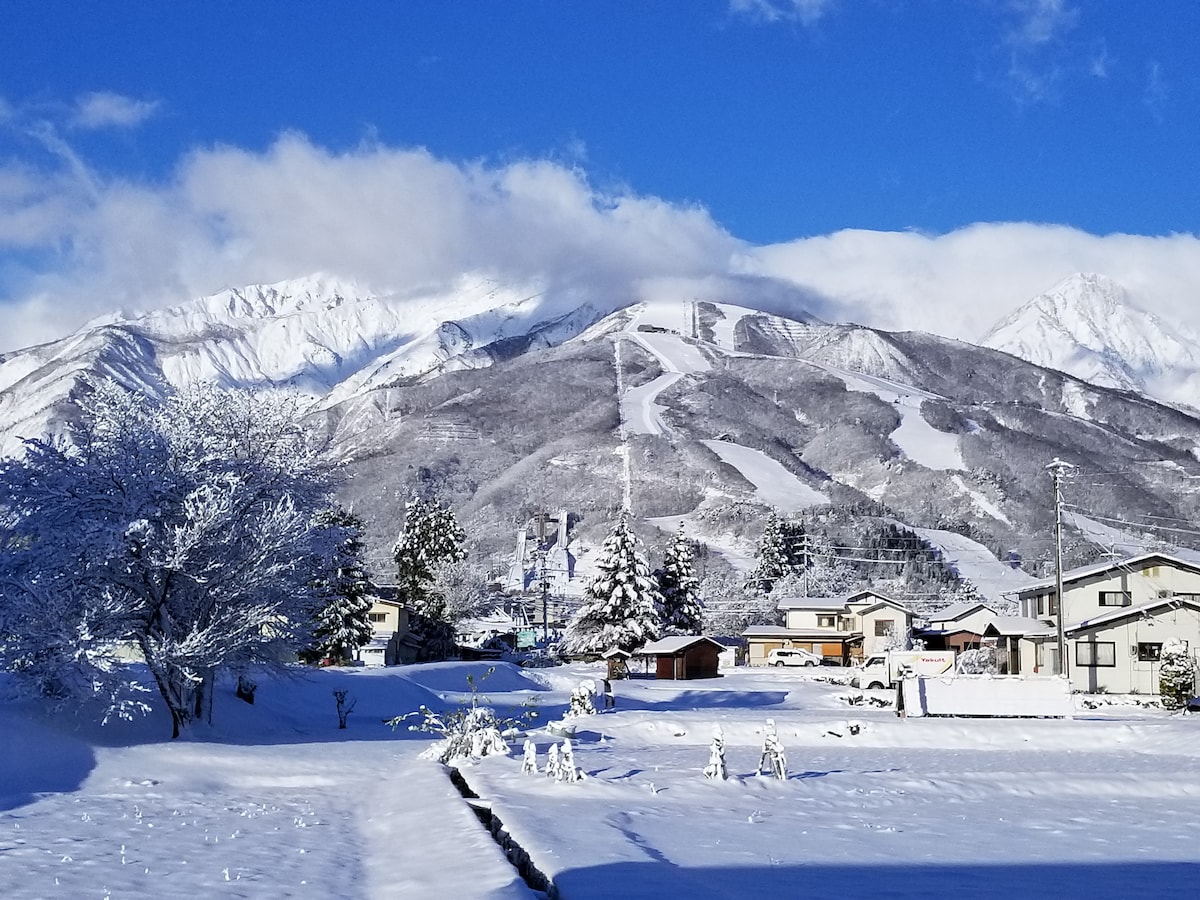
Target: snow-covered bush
<point>529,765</point>
<point>716,768</point>
<point>581,699</point>
<point>1176,674</point>
<point>773,760</point>
<point>472,731</point>
<point>979,661</point>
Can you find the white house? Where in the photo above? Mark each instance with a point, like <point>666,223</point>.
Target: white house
<point>837,628</point>
<point>1117,615</point>
<point>958,627</point>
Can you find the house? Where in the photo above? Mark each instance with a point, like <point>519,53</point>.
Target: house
<point>958,627</point>
<point>684,656</point>
<point>1116,617</point>
<point>837,628</point>
<point>392,642</point>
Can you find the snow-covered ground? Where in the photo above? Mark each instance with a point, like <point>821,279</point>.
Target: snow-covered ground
<point>773,484</point>
<point>275,801</point>
<point>974,561</point>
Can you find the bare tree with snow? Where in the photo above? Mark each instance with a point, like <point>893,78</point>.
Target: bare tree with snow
<point>182,530</point>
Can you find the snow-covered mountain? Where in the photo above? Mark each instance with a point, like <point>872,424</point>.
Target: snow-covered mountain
<point>509,398</point>
<point>1088,327</point>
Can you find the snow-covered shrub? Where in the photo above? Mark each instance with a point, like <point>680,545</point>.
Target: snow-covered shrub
<point>529,764</point>
<point>773,760</point>
<point>1176,674</point>
<point>472,731</point>
<point>553,763</point>
<point>980,661</point>
<point>581,699</point>
<point>567,770</point>
<point>716,757</point>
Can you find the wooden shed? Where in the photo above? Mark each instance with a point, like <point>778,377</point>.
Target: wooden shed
<point>684,657</point>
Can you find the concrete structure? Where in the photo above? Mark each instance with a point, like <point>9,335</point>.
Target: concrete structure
<point>840,629</point>
<point>1117,616</point>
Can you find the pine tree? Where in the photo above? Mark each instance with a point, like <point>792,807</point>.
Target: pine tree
<point>431,538</point>
<point>680,611</point>
<point>620,604</point>
<point>342,622</point>
<point>780,553</point>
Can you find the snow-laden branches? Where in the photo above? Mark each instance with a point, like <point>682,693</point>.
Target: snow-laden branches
<point>181,531</point>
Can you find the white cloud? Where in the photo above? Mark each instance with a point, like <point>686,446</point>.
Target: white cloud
<point>391,218</point>
<point>807,12</point>
<point>1039,22</point>
<point>74,246</point>
<point>103,109</point>
<point>960,284</point>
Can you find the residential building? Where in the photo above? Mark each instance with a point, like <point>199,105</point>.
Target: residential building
<point>840,629</point>
<point>1117,616</point>
<point>958,627</point>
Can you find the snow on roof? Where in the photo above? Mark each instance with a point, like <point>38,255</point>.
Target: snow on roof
<point>958,610</point>
<point>674,644</point>
<point>821,603</point>
<point>1123,612</point>
<point>1016,626</point>
<point>1088,571</point>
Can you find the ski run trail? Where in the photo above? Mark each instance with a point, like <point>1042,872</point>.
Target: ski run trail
<point>773,485</point>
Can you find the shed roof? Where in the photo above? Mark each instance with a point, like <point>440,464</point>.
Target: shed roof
<point>676,644</point>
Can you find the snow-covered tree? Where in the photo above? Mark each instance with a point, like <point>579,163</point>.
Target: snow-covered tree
<point>182,529</point>
<point>730,605</point>
<point>342,622</point>
<point>1176,674</point>
<point>680,611</point>
<point>462,588</point>
<point>620,604</point>
<point>774,555</point>
<point>430,540</point>
<point>581,703</point>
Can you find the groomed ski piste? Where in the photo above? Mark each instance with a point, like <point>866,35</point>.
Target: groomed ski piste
<point>275,801</point>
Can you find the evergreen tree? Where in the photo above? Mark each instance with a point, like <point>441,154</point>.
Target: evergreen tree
<point>680,611</point>
<point>345,593</point>
<point>431,539</point>
<point>780,553</point>
<point>620,604</point>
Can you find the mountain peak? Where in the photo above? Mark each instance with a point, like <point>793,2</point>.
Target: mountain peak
<point>1087,326</point>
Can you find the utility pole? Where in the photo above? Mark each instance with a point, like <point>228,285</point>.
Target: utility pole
<point>545,586</point>
<point>1057,469</point>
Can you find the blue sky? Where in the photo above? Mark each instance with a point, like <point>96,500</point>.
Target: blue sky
<point>778,120</point>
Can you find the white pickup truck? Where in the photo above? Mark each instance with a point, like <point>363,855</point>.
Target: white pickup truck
<point>883,670</point>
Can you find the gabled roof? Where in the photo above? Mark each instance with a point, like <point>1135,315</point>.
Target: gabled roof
<point>1126,612</point>
<point>677,644</point>
<point>1090,571</point>
<point>833,604</point>
<point>958,610</point>
<point>1018,626</point>
<point>817,604</point>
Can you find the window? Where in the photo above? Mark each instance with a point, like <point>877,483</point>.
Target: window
<point>1115,598</point>
<point>826,621</point>
<point>1149,652</point>
<point>884,627</point>
<point>377,617</point>
<point>846,623</point>
<point>1095,653</point>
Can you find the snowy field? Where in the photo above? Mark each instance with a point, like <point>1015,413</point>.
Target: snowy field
<point>275,801</point>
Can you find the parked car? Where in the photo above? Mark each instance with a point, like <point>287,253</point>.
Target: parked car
<point>793,656</point>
